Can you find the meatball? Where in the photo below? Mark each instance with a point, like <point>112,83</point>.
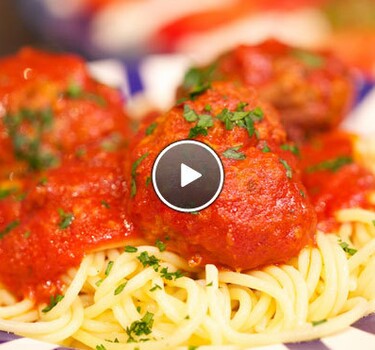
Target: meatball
<point>262,215</point>
<point>67,212</point>
<point>43,99</point>
<point>312,91</point>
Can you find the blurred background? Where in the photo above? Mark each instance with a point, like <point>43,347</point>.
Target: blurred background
<point>130,29</point>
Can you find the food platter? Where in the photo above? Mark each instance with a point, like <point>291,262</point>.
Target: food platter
<point>140,93</point>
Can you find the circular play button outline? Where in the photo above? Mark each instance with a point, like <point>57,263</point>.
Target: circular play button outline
<point>212,153</point>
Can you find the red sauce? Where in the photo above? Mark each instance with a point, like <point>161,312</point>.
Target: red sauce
<point>261,217</point>
<point>56,212</point>
<point>332,177</point>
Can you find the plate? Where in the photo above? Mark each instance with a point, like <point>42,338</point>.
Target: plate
<point>152,82</point>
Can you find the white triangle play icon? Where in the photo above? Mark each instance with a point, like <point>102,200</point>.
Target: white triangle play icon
<point>188,175</point>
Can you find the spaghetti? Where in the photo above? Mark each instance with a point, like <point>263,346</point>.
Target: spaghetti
<point>137,298</point>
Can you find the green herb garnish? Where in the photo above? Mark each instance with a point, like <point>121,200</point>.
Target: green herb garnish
<point>346,248</point>
<point>28,146</point>
<point>164,273</point>
<point>120,288</point>
<point>197,130</point>
<point>289,172</point>
<point>54,300</point>
<point>105,204</point>
<point>292,148</point>
<point>232,153</point>
<point>160,245</point>
<point>130,249</point>
<point>108,268</point>
<point>332,165</point>
<point>149,260</point>
<point>12,225</point>
<point>155,287</point>
<point>65,218</point>
<point>311,59</point>
<point>141,327</point>
<point>317,323</point>
<point>135,165</point>
<point>151,128</point>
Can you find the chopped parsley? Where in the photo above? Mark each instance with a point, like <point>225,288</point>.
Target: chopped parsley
<point>292,148</point>
<point>54,300</point>
<point>149,260</point>
<point>28,146</point>
<point>141,327</point>
<point>27,234</point>
<point>135,165</point>
<point>289,172</point>
<point>108,268</point>
<point>112,143</point>
<point>197,130</point>
<point>160,245</point>
<point>65,218</point>
<point>74,91</point>
<point>148,181</point>
<point>6,192</point>
<point>105,204</point>
<point>207,108</point>
<point>332,165</point>
<point>203,122</point>
<point>243,119</point>
<point>130,249</point>
<point>317,323</point>
<point>100,347</point>
<point>120,288</point>
<point>164,273</point>
<point>346,248</point>
<point>209,284</point>
<point>12,225</point>
<point>302,193</point>
<point>266,148</point>
<point>311,59</point>
<point>232,153</point>
<point>155,287</point>
<point>198,80</point>
<point>151,128</point>
<point>193,347</point>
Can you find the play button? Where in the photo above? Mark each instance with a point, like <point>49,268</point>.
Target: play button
<point>188,176</point>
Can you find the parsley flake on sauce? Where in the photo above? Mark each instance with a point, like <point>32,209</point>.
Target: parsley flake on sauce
<point>198,80</point>
<point>54,300</point>
<point>243,119</point>
<point>197,130</point>
<point>65,218</point>
<point>28,146</point>
<point>12,225</point>
<point>160,245</point>
<point>332,165</point>
<point>6,192</point>
<point>135,165</point>
<point>232,153</point>
<point>151,128</point>
<point>311,59</point>
<point>292,148</point>
<point>289,172</point>
<point>105,204</point>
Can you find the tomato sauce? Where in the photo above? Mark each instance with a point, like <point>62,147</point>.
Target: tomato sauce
<point>333,178</point>
<point>63,143</point>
